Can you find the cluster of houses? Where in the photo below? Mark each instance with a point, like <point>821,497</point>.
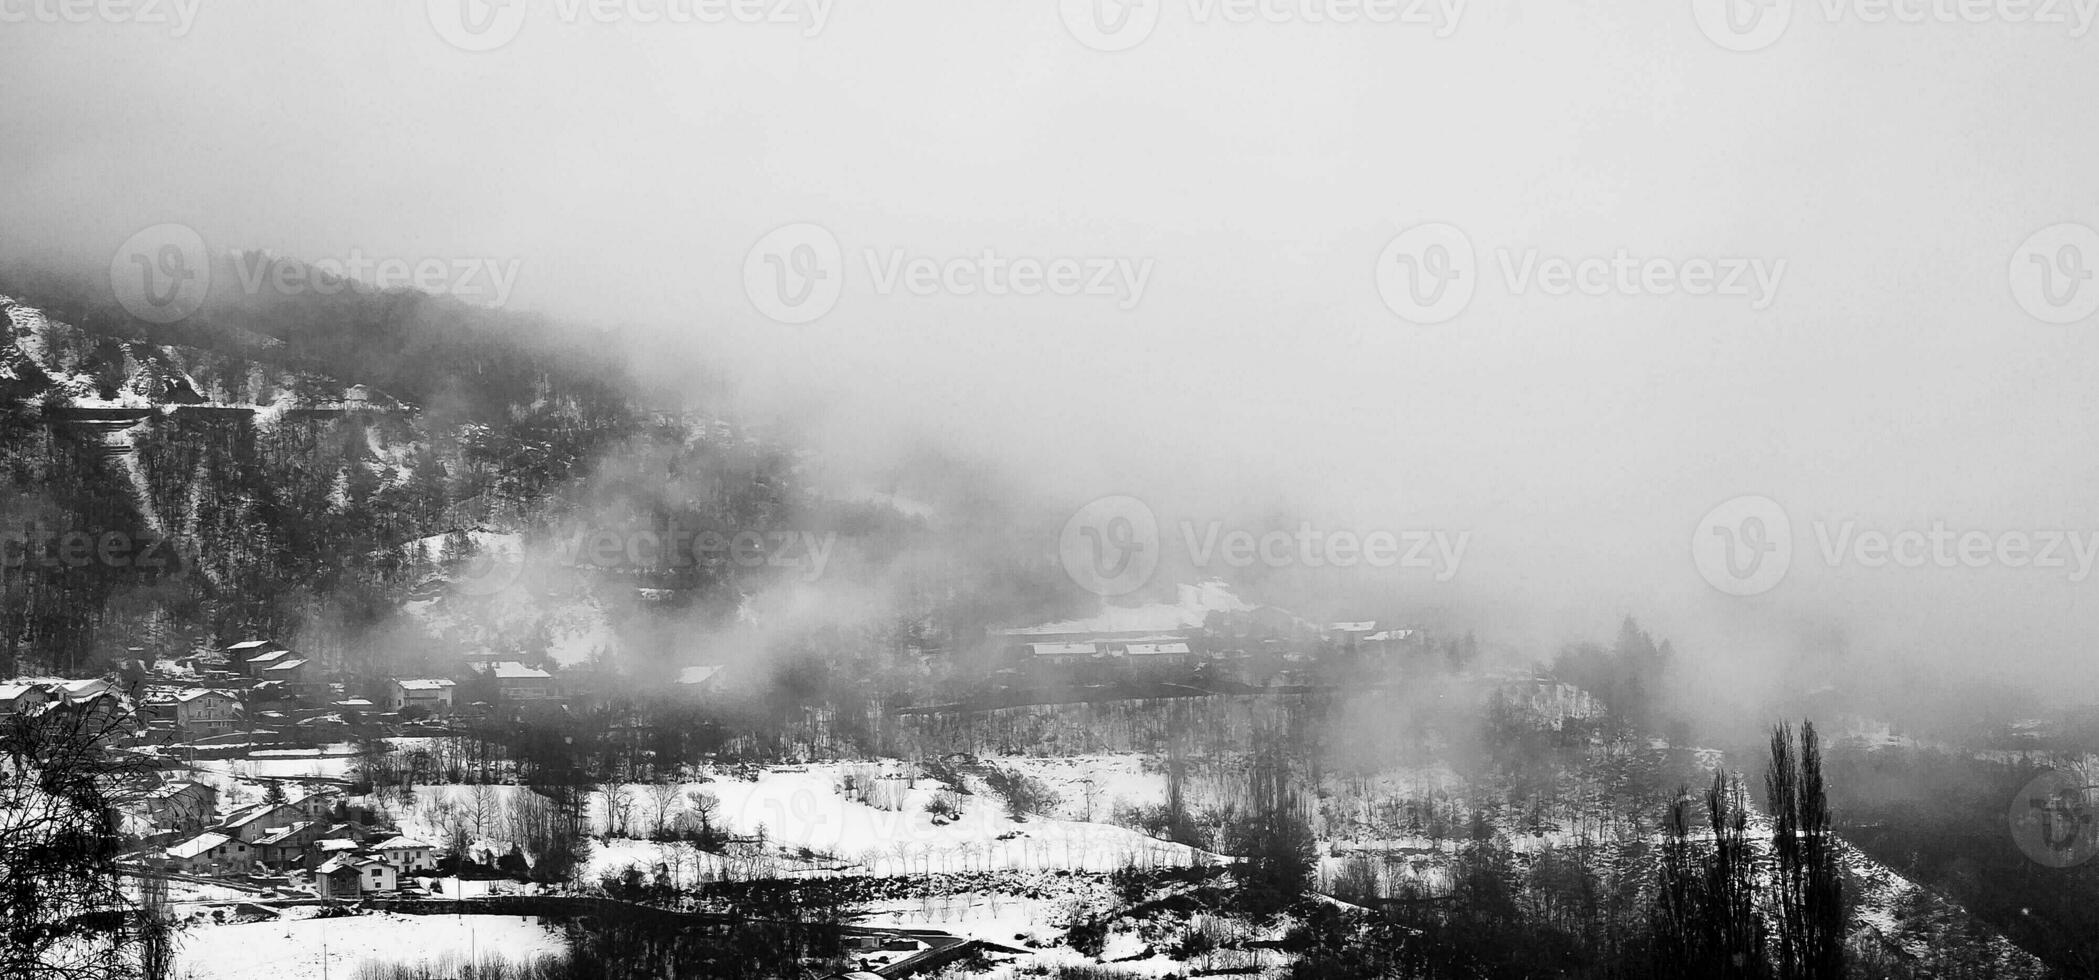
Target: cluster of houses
<point>263,688</point>
<point>311,837</point>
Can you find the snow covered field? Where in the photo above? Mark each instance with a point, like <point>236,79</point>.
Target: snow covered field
<point>293,950</point>
<point>810,822</point>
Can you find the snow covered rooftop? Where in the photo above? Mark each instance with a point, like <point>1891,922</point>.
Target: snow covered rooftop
<point>426,684</point>
<point>698,675</point>
<point>1063,649</point>
<point>83,689</point>
<point>512,670</point>
<point>1195,605</point>
<point>278,835</point>
<point>200,844</point>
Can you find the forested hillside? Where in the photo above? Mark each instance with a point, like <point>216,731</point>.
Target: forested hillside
<point>262,461</point>
<point>316,467</point>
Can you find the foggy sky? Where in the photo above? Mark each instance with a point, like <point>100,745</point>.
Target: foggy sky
<point>1261,168</point>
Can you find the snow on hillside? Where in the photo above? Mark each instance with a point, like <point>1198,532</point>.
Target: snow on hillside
<point>806,806</point>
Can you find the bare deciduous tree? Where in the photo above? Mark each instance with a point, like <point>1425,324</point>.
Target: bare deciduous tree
<point>663,801</point>
<point>63,910</point>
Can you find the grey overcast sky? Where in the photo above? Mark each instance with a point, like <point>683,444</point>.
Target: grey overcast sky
<point>1888,376</point>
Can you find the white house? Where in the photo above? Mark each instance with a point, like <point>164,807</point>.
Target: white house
<point>432,693</point>
<point>407,856</point>
<point>347,876</point>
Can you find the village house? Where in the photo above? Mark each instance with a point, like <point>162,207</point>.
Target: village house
<point>184,805</point>
<point>1062,654</point>
<point>1153,656</point>
<point>348,876</point>
<point>433,694</point>
<point>252,823</point>
<point>255,665</point>
<point>290,671</point>
<point>17,698</point>
<point>407,856</point>
<point>240,652</point>
<point>100,710</point>
<point>287,845</point>
<point>319,805</point>
<point>206,712</point>
<point>212,853</point>
<point>516,682</point>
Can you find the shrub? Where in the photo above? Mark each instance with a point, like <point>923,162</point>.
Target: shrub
<point>1025,795</point>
